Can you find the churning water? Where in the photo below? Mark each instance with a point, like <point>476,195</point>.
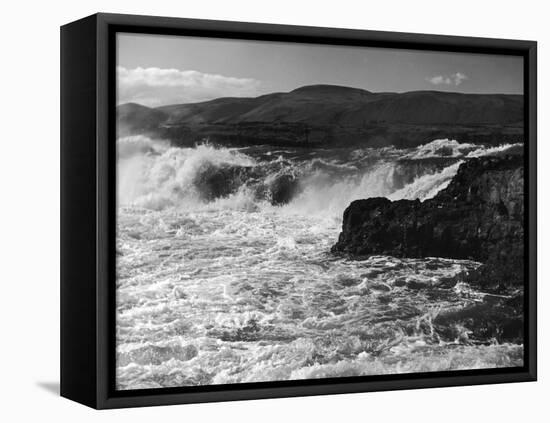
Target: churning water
<point>224,273</point>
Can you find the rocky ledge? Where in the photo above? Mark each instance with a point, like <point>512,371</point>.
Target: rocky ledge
<point>479,216</point>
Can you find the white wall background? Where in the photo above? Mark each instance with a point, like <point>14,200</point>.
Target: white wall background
<point>29,234</point>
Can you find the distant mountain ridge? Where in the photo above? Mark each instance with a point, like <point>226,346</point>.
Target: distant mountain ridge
<point>327,114</point>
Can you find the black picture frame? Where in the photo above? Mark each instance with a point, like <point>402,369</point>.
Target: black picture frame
<point>88,213</point>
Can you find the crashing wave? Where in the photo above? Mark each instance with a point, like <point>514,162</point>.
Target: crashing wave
<point>173,177</point>
<point>153,175</point>
<point>427,186</point>
<point>445,147</point>
<point>482,151</point>
<point>442,148</point>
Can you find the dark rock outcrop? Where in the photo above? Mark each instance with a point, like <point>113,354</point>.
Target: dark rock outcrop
<point>214,181</point>
<point>218,181</point>
<point>282,189</point>
<point>479,216</point>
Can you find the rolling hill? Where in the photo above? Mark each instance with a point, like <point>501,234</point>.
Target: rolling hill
<point>328,114</point>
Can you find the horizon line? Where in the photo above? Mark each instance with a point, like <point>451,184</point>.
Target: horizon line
<point>321,85</point>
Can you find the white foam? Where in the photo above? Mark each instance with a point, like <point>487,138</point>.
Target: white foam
<point>453,149</point>
<point>482,151</point>
<point>426,186</point>
<point>441,148</point>
<point>166,179</point>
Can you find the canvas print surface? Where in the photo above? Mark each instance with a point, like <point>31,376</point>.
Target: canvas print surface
<point>297,211</point>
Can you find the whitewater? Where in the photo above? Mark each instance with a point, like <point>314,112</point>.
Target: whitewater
<point>224,270</point>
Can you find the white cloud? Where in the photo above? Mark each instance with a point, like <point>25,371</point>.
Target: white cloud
<point>459,77</point>
<point>454,79</point>
<point>156,86</point>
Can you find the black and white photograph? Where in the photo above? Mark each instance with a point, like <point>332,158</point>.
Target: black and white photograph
<point>291,211</point>
<point>275,211</point>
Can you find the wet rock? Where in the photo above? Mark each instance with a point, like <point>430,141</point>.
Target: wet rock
<point>479,216</point>
<point>282,189</point>
<point>214,181</point>
<point>218,181</point>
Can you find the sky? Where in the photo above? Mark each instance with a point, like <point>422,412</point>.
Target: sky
<point>156,70</point>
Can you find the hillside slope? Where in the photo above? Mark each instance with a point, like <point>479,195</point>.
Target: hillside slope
<point>329,114</point>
